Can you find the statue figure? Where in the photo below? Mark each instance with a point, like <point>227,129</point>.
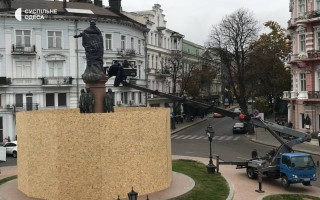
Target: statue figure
<point>82,105</point>
<point>89,101</point>
<point>109,101</point>
<point>92,42</point>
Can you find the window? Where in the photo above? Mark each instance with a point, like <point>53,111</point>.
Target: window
<point>123,42</point>
<point>139,46</point>
<point>1,128</point>
<point>302,43</point>
<point>125,95</point>
<point>302,82</point>
<point>165,42</point>
<point>155,39</point>
<point>23,38</point>
<point>156,62</point>
<point>140,97</point>
<point>302,120</point>
<point>132,43</point>
<point>19,100</point>
<point>317,6</point>
<point>55,68</point>
<point>175,44</point>
<point>54,39</point>
<point>49,99</point>
<point>132,96</point>
<point>151,38</point>
<point>62,99</point>
<point>23,69</point>
<point>151,61</point>
<point>301,6</point>
<point>286,161</point>
<point>108,41</point>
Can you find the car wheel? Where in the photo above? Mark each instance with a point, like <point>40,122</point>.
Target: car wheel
<point>250,173</point>
<point>307,183</point>
<point>14,154</point>
<point>285,182</point>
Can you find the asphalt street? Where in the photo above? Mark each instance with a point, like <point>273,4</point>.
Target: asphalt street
<point>230,147</point>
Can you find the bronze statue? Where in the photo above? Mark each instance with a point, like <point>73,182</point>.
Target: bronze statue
<point>92,42</point>
<point>89,101</point>
<point>109,101</point>
<point>82,105</point>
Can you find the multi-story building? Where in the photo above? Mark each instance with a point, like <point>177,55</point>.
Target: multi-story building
<point>41,62</point>
<point>162,46</point>
<point>304,36</point>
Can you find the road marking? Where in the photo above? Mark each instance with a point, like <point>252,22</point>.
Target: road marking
<point>215,137</point>
<point>186,137</point>
<point>236,138</point>
<point>229,138</point>
<point>180,136</point>
<point>173,136</point>
<point>199,137</point>
<point>222,137</point>
<point>193,137</point>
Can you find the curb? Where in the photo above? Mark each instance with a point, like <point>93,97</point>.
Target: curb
<point>270,145</point>
<point>184,127</point>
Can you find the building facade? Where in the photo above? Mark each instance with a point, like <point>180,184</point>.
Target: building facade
<point>304,36</point>
<point>41,62</point>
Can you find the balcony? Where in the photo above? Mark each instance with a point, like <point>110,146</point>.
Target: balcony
<point>291,95</point>
<point>25,81</point>
<point>314,95</point>
<point>57,81</point>
<point>5,81</point>
<point>23,50</point>
<point>25,107</point>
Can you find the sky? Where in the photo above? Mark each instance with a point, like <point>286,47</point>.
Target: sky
<point>194,19</point>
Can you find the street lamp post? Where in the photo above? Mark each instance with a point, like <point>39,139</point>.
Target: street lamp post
<point>133,195</point>
<point>210,133</point>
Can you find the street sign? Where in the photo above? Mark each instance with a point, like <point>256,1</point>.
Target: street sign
<point>255,113</point>
<point>3,154</point>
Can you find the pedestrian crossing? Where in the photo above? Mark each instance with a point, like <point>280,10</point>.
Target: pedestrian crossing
<point>198,137</point>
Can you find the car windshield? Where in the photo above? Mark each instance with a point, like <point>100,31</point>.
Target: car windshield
<point>303,162</point>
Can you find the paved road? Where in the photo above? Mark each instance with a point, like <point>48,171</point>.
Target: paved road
<point>11,161</point>
<point>229,146</point>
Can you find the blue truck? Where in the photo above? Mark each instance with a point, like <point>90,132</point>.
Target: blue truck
<point>282,162</point>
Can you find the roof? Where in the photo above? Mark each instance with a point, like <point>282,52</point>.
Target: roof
<point>295,154</point>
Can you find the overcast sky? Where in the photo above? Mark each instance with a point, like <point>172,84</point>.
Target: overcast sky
<point>194,18</point>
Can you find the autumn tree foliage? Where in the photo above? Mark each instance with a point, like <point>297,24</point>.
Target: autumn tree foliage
<point>266,58</point>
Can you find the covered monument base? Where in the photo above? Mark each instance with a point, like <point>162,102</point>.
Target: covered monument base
<point>67,155</point>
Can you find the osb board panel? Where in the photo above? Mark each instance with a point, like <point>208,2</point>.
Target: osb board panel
<point>93,156</point>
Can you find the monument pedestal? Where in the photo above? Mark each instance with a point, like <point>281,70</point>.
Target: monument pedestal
<point>98,88</point>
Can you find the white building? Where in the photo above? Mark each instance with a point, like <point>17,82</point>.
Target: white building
<point>41,63</point>
<point>161,41</point>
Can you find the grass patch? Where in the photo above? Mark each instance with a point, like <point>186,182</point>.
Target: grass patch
<point>290,197</point>
<point>4,180</point>
<point>207,186</point>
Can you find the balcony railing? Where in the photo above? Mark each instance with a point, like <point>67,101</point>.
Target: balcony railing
<point>314,95</point>
<point>287,94</point>
<point>60,80</point>
<point>313,54</point>
<point>25,81</point>
<point>25,107</point>
<point>20,50</point>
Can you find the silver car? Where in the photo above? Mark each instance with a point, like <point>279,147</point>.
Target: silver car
<point>11,148</point>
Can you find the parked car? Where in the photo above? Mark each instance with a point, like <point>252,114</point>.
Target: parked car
<point>11,148</point>
<point>217,115</point>
<point>237,110</point>
<point>240,127</point>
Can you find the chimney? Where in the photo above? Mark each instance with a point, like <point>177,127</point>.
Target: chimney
<point>98,3</point>
<point>115,5</point>
<point>64,4</point>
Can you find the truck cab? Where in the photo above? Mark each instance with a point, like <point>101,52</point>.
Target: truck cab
<point>297,168</point>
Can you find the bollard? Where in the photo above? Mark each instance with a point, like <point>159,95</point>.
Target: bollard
<point>217,164</point>
<point>260,180</point>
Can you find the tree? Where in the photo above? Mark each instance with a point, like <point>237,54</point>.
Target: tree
<point>267,56</point>
<point>231,39</point>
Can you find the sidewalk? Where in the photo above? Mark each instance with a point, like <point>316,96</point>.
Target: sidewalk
<point>262,136</point>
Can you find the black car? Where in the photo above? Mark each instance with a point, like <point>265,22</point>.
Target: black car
<point>240,127</point>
